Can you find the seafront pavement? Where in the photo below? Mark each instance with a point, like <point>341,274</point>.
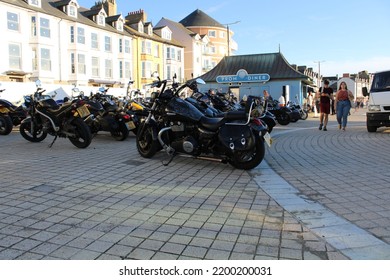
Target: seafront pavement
<point>106,202</point>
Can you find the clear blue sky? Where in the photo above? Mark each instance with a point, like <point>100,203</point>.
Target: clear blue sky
<point>344,36</point>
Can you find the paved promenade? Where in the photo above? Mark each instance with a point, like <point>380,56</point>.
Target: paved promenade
<point>317,195</point>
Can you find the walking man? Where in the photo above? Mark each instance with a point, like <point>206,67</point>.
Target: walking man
<point>326,93</point>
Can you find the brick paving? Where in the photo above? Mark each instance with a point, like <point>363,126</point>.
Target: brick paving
<point>107,202</point>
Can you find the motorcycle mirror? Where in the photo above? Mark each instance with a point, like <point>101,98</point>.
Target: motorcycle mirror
<point>155,75</point>
<point>101,89</point>
<point>38,83</point>
<point>75,89</point>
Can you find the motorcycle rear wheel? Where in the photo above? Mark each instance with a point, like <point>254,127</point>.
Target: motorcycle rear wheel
<point>121,133</point>
<point>146,146</point>
<point>37,135</point>
<point>5,125</point>
<point>83,134</point>
<point>250,160</point>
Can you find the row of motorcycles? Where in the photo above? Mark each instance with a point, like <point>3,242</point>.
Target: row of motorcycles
<point>78,119</point>
<point>205,126</point>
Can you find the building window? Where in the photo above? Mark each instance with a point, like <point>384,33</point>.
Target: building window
<point>15,59</point>
<point>33,26</point>
<point>72,10</point>
<point>211,33</point>
<point>80,35</point>
<point>72,34</point>
<point>100,19</point>
<point>146,47</point>
<point>108,68</point>
<point>34,2</point>
<point>34,59</point>
<point>127,46</point>
<point>120,69</point>
<point>146,69</point>
<point>94,41</point>
<point>157,51</point>
<point>95,66</point>
<point>127,70</point>
<point>45,27</point>
<point>45,59</point>
<point>107,43</point>
<point>81,67</point>
<point>72,64</point>
<point>171,54</point>
<point>13,21</point>
<point>120,45</point>
<point>119,25</point>
<point>222,34</point>
<point>179,55</point>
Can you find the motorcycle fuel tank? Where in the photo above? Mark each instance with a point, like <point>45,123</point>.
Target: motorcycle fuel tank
<point>181,110</point>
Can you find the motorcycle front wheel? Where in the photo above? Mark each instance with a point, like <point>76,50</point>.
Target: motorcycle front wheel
<point>304,115</point>
<point>121,133</point>
<point>37,135</point>
<point>251,159</point>
<point>83,136</point>
<point>5,125</point>
<point>283,118</point>
<point>146,146</point>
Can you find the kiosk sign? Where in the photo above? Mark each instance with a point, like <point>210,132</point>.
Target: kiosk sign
<point>242,76</point>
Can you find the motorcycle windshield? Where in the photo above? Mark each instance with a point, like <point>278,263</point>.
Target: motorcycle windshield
<point>184,109</point>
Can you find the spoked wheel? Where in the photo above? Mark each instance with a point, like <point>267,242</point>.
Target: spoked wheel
<point>121,133</point>
<point>5,125</point>
<point>32,132</point>
<point>83,136</point>
<point>146,146</point>
<point>249,160</point>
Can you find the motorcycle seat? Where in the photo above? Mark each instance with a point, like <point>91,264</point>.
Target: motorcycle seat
<point>212,123</point>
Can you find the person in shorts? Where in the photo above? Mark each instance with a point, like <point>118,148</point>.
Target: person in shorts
<point>326,93</point>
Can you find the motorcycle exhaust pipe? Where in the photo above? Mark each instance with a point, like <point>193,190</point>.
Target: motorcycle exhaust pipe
<point>204,158</point>
<point>170,151</point>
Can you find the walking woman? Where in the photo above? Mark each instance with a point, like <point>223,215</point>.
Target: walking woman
<point>343,105</point>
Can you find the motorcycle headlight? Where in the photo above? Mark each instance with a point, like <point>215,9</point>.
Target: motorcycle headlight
<point>374,108</point>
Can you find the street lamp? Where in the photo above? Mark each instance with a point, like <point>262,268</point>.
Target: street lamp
<point>228,34</point>
<point>319,72</point>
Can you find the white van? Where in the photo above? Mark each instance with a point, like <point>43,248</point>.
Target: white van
<point>378,113</point>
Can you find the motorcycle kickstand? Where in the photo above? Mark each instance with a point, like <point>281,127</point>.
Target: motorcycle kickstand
<point>170,160</point>
<point>51,145</point>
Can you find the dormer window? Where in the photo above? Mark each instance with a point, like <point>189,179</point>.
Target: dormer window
<point>119,25</point>
<point>72,10</point>
<point>36,3</point>
<point>166,34</point>
<point>140,27</point>
<point>150,30</point>
<point>101,19</point>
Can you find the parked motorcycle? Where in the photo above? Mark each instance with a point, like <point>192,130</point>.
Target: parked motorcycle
<point>45,116</point>
<point>178,127</point>
<point>10,115</point>
<point>202,102</point>
<point>295,106</point>
<point>107,116</point>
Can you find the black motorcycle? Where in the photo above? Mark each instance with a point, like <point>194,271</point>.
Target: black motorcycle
<point>108,116</point>
<point>45,116</point>
<point>178,127</point>
<point>296,107</point>
<point>206,105</point>
<point>10,115</point>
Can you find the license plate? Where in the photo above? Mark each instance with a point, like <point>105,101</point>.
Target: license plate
<point>130,125</point>
<point>268,139</point>
<point>83,111</point>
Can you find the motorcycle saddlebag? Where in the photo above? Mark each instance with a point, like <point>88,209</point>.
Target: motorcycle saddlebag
<point>236,137</point>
